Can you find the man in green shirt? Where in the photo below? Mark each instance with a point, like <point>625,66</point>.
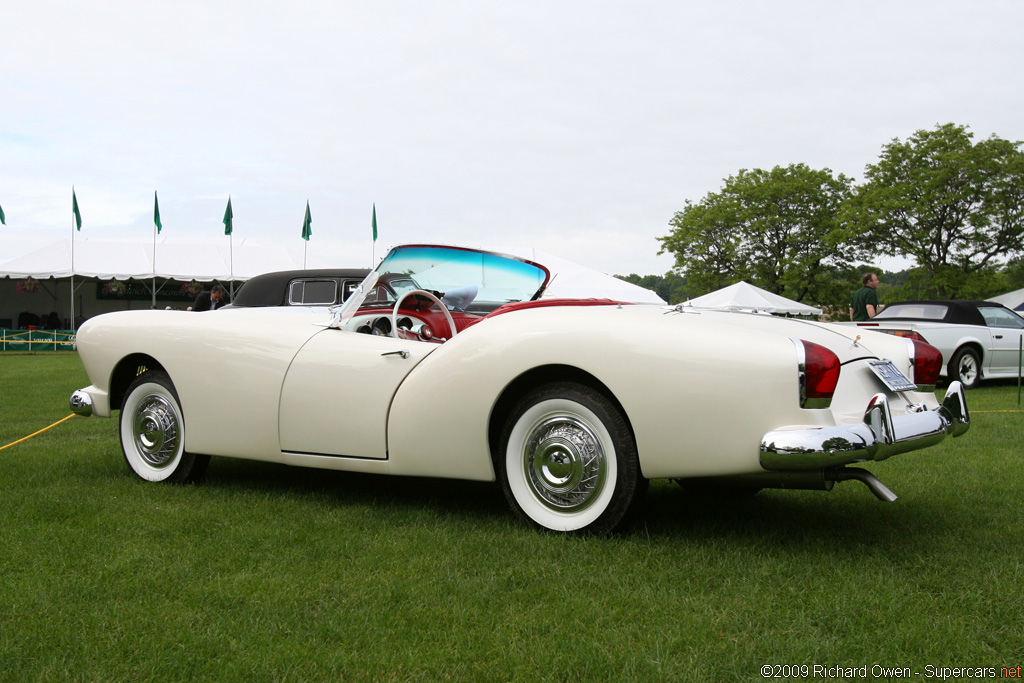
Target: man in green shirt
<point>865,300</point>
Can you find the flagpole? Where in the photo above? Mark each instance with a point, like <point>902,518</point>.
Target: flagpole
<point>73,261</point>
<point>157,226</point>
<point>307,231</point>
<point>154,265</point>
<point>229,217</point>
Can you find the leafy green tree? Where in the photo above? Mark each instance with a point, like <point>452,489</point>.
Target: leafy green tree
<point>953,206</point>
<point>671,287</point>
<point>776,229</point>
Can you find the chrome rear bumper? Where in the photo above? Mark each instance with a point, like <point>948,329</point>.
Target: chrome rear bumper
<point>878,437</point>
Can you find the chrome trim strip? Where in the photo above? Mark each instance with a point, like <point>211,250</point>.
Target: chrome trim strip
<point>878,437</point>
<point>801,368</point>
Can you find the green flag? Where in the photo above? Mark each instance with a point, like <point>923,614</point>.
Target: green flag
<point>228,216</point>
<point>74,209</point>
<point>307,224</point>
<point>156,213</point>
<point>3,218</point>
<point>375,222</point>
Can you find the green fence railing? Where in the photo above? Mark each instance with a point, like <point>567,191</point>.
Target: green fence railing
<point>37,340</point>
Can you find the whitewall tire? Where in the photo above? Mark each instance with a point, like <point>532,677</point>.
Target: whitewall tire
<point>153,432</point>
<point>568,461</point>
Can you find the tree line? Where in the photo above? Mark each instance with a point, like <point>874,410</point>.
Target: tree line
<point>953,207</point>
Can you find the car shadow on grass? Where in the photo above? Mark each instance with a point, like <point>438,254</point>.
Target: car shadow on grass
<point>471,498</point>
<point>844,519</point>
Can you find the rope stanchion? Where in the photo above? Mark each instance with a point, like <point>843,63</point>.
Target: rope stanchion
<point>15,443</point>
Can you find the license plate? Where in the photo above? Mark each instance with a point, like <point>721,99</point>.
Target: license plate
<point>891,376</point>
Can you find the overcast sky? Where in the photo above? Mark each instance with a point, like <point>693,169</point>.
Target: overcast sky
<point>578,127</point>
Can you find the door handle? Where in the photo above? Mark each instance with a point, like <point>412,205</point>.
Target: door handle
<point>404,353</point>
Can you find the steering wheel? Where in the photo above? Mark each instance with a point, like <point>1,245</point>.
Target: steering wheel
<point>444,309</point>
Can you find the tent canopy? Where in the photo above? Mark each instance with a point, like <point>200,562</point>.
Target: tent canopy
<point>743,296</point>
<point>1013,300</point>
<point>205,262</point>
<point>123,261</point>
<point>573,281</point>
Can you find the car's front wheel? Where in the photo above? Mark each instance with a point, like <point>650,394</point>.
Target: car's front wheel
<point>568,461</point>
<point>153,432</point>
<point>966,367</point>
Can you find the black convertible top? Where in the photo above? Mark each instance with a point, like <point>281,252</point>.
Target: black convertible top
<point>271,289</point>
<point>957,311</point>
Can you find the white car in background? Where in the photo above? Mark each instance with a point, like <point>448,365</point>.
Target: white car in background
<point>978,339</point>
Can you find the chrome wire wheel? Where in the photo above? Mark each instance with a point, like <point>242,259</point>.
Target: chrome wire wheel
<point>155,428</point>
<point>567,460</point>
<point>564,463</point>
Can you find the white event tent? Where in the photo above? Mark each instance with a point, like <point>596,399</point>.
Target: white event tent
<point>1013,300</point>
<point>743,296</point>
<point>60,268</point>
<point>96,262</point>
<point>124,261</point>
<point>572,281</point>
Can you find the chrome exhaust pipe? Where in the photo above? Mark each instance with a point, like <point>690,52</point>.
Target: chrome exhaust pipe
<point>881,491</point>
<point>809,480</point>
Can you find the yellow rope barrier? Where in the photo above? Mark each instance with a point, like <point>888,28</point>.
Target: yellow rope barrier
<point>37,433</point>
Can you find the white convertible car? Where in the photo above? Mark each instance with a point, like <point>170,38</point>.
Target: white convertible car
<point>448,362</point>
<point>977,339</point>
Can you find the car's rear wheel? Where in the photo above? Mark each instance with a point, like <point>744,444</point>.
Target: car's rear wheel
<point>966,367</point>
<point>568,461</point>
<point>153,432</point>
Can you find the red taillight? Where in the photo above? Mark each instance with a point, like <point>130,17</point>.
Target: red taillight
<point>927,363</point>
<point>820,375</point>
<point>910,334</point>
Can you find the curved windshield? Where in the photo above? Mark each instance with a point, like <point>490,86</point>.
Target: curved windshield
<point>494,279</point>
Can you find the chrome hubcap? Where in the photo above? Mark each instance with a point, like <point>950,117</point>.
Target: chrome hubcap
<point>155,431</point>
<point>564,463</point>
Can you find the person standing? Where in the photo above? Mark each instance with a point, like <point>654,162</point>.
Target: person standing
<point>865,300</point>
<point>208,301</point>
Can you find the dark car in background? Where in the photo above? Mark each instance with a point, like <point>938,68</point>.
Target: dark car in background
<point>322,287</point>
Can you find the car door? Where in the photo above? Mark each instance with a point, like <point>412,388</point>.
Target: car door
<point>338,389</point>
<point>1007,328</point>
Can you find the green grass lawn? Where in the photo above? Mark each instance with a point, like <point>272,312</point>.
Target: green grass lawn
<point>270,573</point>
